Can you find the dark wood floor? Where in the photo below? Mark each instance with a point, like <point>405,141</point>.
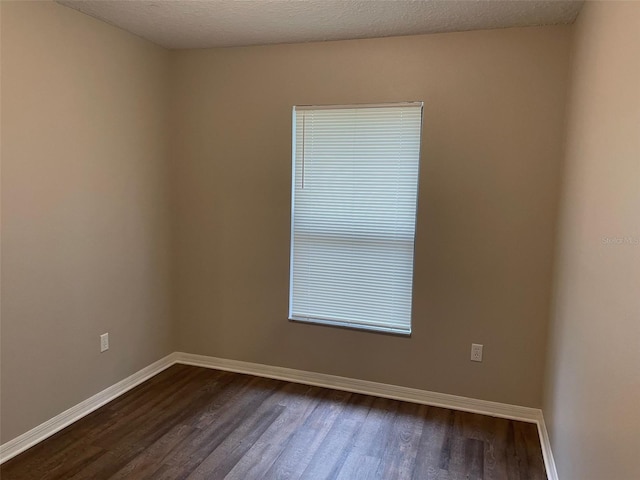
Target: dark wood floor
<point>196,423</point>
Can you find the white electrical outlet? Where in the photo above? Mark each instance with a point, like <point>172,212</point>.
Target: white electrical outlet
<point>476,352</point>
<point>104,342</point>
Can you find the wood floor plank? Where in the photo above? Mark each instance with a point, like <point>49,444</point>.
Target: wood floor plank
<point>369,445</point>
<point>143,465</point>
<point>223,400</point>
<point>512,459</point>
<point>495,451</point>
<point>138,437</point>
<point>116,423</point>
<point>432,442</point>
<point>301,447</point>
<point>529,457</point>
<point>69,461</point>
<point>452,459</point>
<point>400,454</point>
<point>474,459</point>
<point>195,423</point>
<point>185,458</point>
<point>264,452</point>
<point>138,425</point>
<point>222,460</point>
<point>235,446</point>
<point>329,457</point>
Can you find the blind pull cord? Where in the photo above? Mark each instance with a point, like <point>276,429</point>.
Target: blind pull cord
<point>304,117</point>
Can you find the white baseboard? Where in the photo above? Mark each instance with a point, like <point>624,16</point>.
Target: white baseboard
<point>395,392</point>
<point>484,407</point>
<point>455,402</point>
<point>545,443</point>
<point>28,439</point>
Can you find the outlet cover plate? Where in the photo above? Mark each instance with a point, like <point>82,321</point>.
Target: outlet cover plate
<point>104,342</point>
<point>476,352</point>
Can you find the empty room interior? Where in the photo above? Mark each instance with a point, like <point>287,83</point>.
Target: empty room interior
<point>313,239</point>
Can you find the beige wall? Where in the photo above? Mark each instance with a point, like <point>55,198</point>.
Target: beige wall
<point>84,209</point>
<point>593,380</point>
<point>492,145</point>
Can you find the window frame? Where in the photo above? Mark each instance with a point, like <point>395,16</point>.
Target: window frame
<point>340,323</point>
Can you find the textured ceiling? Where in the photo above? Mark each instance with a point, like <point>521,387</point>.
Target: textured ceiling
<point>222,23</point>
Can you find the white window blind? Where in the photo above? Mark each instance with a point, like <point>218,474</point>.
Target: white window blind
<point>354,195</point>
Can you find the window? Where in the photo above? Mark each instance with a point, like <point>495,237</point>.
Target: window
<point>354,195</point>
